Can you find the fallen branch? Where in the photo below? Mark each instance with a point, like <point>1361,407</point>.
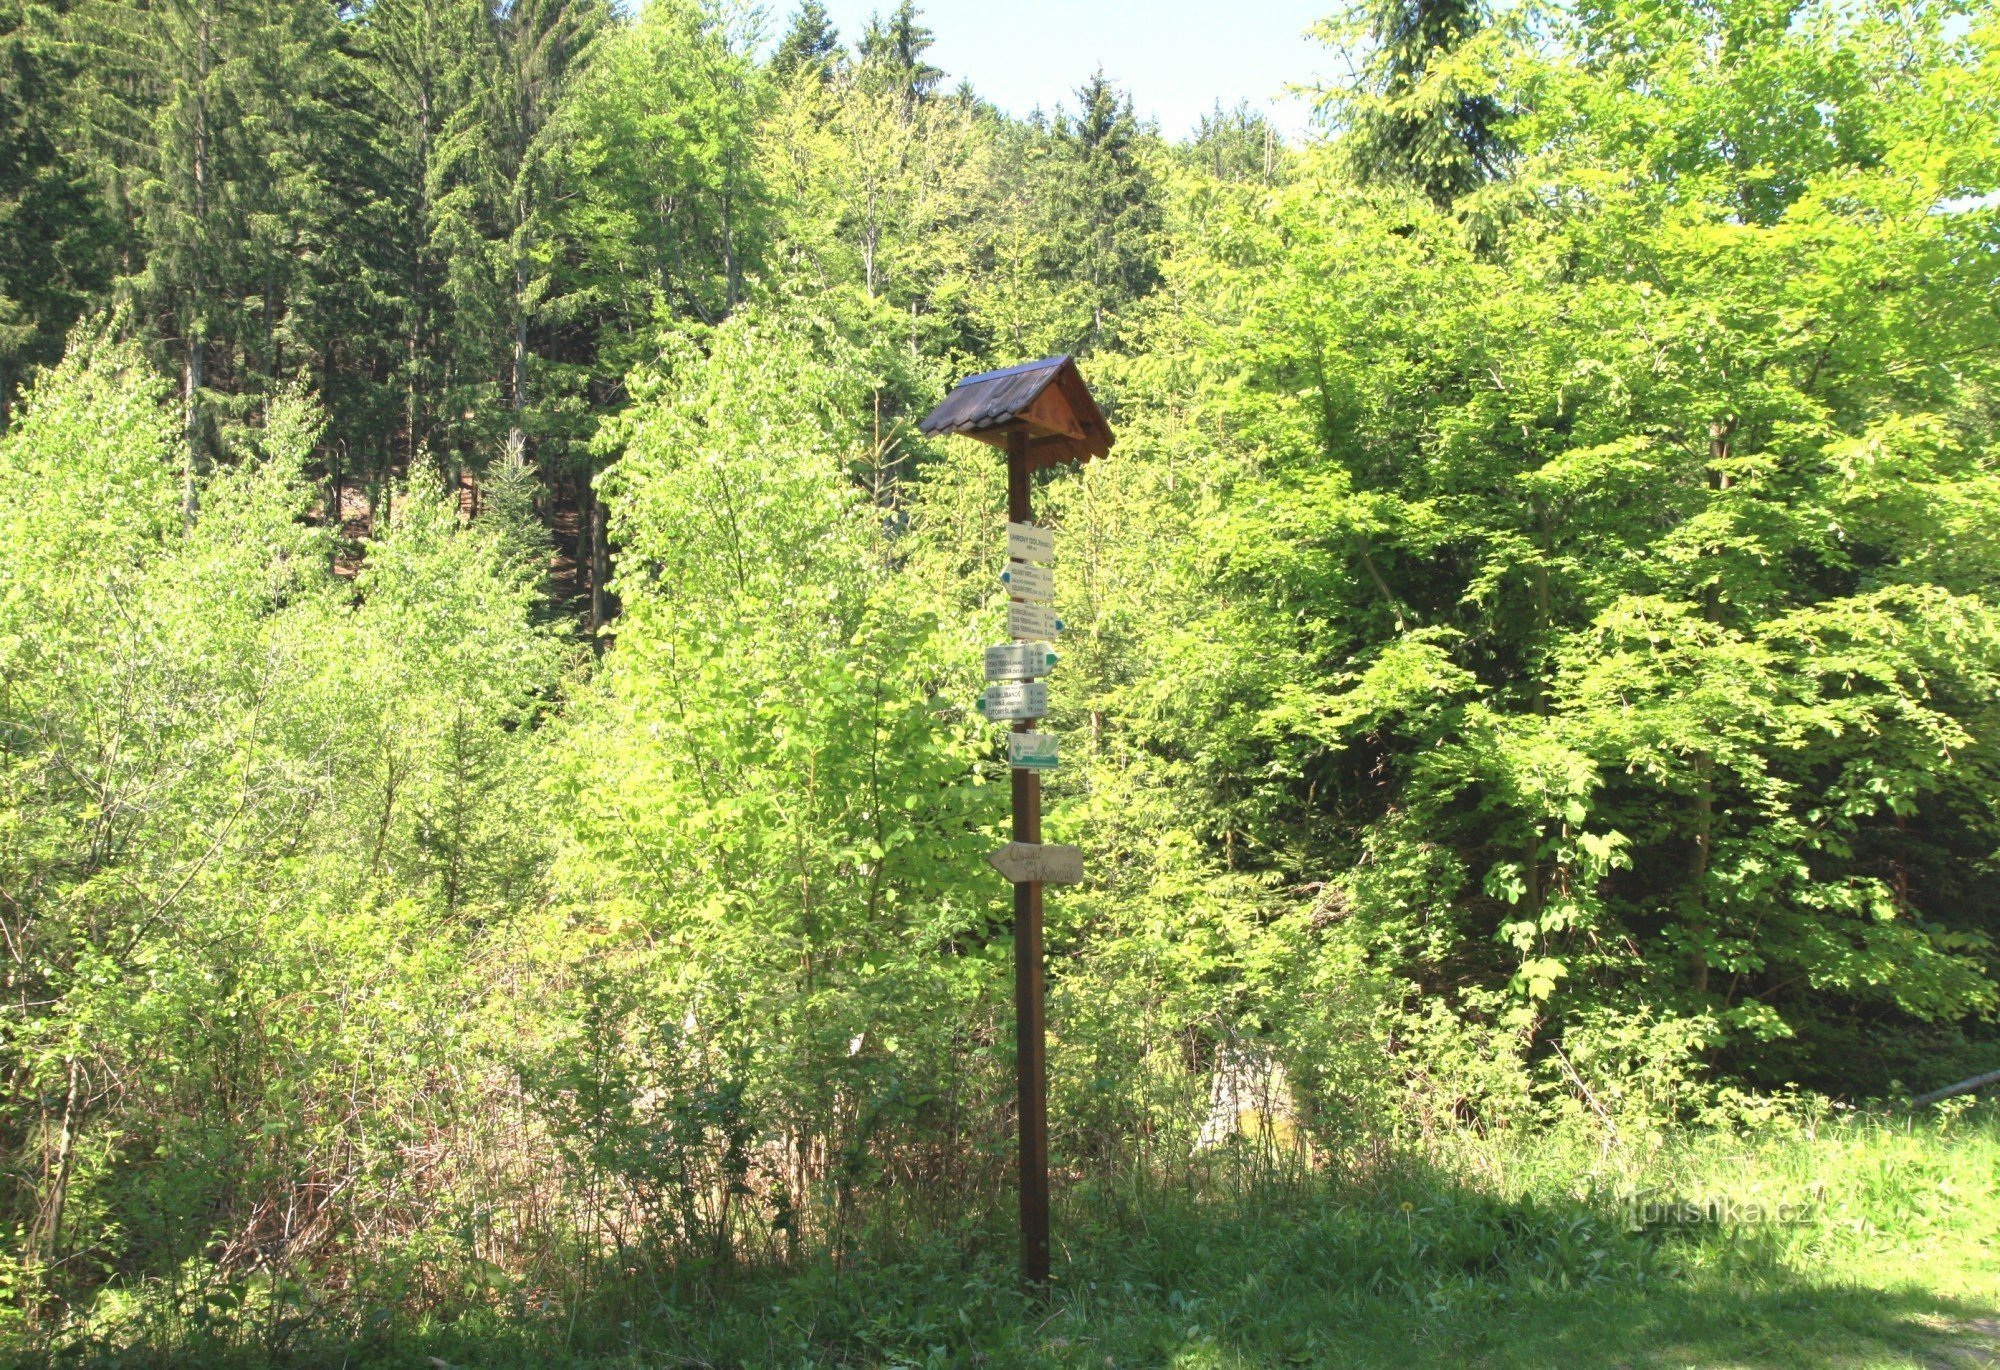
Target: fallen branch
<point>1962,1087</point>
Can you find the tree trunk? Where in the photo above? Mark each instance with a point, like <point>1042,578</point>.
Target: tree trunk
<point>191,382</point>
<point>1704,838</point>
<point>599,561</point>
<point>518,436</point>
<point>1703,761</point>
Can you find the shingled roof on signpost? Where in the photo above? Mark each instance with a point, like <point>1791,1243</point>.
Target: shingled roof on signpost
<point>1045,400</point>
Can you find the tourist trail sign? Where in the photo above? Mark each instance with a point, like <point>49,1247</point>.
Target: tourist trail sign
<point>1025,580</point>
<point>1031,751</point>
<point>1036,622</point>
<point>1043,415</point>
<point>1026,542</point>
<point>1019,661</point>
<point>1020,700</point>
<point>1034,862</point>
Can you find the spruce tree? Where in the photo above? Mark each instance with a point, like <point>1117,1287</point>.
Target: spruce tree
<point>1109,211</point>
<point>534,52</point>
<point>427,61</point>
<point>53,239</point>
<point>163,102</point>
<point>1235,144</point>
<point>811,43</point>
<point>1423,114</point>
<point>894,48</point>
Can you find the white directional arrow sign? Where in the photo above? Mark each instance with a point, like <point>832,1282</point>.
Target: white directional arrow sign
<point>1019,661</point>
<point>1031,751</point>
<point>1044,863</point>
<point>1025,542</point>
<point>1004,703</point>
<point>1036,622</point>
<point>1024,580</point>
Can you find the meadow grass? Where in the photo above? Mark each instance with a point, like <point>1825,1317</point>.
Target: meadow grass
<point>1857,1241</point>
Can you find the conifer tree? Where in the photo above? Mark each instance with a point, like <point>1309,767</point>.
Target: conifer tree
<point>164,105</point>
<point>53,240</point>
<point>1423,114</point>
<point>424,58</point>
<point>503,147</point>
<point>1110,215</point>
<point>811,43</point>
<point>894,49</point>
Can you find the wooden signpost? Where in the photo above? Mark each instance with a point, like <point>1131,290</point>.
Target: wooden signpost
<point>1042,415</point>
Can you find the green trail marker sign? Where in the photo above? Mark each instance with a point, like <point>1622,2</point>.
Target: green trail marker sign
<point>1031,751</point>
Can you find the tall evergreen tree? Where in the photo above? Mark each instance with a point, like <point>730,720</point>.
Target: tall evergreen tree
<point>232,140</point>
<point>165,105</point>
<point>1236,144</point>
<point>535,52</point>
<point>1424,112</point>
<point>811,43</point>
<point>1107,232</point>
<point>425,56</point>
<point>53,239</point>
<point>894,49</point>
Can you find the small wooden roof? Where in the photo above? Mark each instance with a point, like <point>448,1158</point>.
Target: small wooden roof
<point>1047,400</point>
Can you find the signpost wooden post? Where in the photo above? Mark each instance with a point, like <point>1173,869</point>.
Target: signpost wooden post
<point>1042,414</point>
<point>1031,1052</point>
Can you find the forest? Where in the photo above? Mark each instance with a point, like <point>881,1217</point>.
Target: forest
<point>493,815</point>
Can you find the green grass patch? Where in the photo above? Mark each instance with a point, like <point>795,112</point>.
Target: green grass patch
<point>1862,1242</point>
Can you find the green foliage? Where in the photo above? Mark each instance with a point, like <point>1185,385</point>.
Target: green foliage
<point>1562,612</point>
<point>1528,701</point>
<point>776,810</point>
<point>811,43</point>
<point>52,238</point>
<point>235,798</point>
<point>1427,111</point>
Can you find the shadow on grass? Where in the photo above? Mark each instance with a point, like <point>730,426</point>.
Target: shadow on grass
<point>1418,1270</point>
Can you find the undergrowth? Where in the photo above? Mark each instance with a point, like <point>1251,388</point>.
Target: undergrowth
<point>1857,1240</point>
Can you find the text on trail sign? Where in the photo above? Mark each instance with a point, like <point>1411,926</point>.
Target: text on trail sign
<point>1002,703</point>
<point>1037,622</point>
<point>1019,661</point>
<point>1025,542</point>
<point>1039,863</point>
<point>1028,581</point>
<point>1031,751</point>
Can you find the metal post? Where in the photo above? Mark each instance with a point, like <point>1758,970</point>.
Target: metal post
<point>1030,1040</point>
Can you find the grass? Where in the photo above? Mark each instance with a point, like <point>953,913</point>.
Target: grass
<point>1507,1253</point>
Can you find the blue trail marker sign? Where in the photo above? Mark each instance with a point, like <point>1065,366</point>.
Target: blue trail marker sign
<point>1025,580</point>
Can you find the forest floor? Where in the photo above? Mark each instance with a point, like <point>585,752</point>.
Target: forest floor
<point>1862,1241</point>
